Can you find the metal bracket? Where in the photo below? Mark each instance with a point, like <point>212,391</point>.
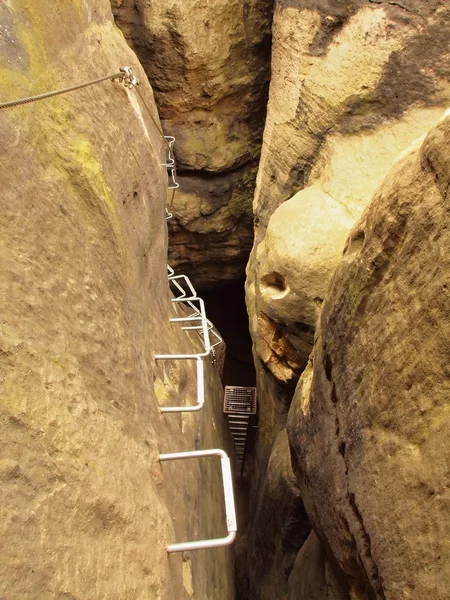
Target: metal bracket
<point>230,509</point>
<point>183,297</point>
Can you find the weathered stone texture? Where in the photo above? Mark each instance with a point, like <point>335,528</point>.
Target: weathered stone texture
<point>86,509</point>
<point>209,64</point>
<point>369,422</point>
<point>353,84</point>
<point>294,262</point>
<point>211,231</point>
<point>271,556</point>
<point>313,577</point>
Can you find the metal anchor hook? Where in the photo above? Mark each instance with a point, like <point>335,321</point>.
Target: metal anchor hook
<point>174,184</point>
<point>170,158</point>
<point>128,79</point>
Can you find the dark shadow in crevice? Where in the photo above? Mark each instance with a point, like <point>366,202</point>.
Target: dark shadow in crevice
<point>225,307</point>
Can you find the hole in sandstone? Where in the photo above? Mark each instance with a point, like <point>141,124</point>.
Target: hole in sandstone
<point>355,243</point>
<point>274,284</point>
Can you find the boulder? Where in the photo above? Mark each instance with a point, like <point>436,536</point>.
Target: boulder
<point>368,424</point>
<point>294,265</point>
<point>313,577</point>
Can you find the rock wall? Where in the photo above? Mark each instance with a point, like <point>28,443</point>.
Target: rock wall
<point>87,509</point>
<point>353,84</point>
<point>369,421</point>
<point>209,66</point>
<point>351,87</point>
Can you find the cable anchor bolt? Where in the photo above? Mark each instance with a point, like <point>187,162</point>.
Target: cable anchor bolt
<point>128,79</point>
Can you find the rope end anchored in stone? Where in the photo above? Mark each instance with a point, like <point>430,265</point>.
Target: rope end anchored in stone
<point>128,79</point>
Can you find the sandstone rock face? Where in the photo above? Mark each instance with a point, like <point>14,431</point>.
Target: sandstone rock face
<point>351,87</point>
<point>211,231</point>
<point>207,63</point>
<point>352,84</point>
<point>86,508</point>
<point>313,577</point>
<point>369,423</point>
<point>280,508</point>
<point>209,66</point>
<point>294,262</point>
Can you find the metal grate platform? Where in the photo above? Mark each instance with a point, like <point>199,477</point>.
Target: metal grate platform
<point>239,404</point>
<point>240,400</point>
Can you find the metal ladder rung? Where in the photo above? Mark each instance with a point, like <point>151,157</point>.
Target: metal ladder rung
<point>230,509</point>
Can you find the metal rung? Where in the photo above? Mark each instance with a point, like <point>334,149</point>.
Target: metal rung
<point>230,509</point>
<point>204,324</point>
<point>188,294</point>
<point>200,393</point>
<point>174,184</point>
<point>170,158</point>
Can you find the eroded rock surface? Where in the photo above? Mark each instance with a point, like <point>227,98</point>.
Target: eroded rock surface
<point>209,66</point>
<point>294,263</point>
<point>86,508</point>
<point>369,423</point>
<point>280,508</point>
<point>211,231</point>
<point>353,84</point>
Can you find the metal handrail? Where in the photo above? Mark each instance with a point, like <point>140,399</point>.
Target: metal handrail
<point>230,510</point>
<point>204,327</point>
<point>218,338</point>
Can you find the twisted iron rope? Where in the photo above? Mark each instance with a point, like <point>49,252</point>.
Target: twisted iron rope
<point>122,74</point>
<point>72,88</point>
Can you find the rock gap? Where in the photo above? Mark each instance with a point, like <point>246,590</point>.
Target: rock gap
<point>226,308</point>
